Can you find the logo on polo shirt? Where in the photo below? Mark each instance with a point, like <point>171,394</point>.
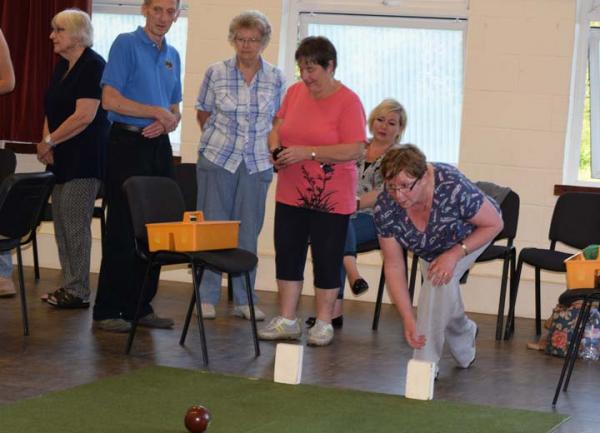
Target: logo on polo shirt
<point>168,64</point>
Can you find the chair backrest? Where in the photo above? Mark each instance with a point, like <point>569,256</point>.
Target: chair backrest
<point>510,215</point>
<point>22,199</point>
<point>576,219</point>
<point>8,163</point>
<point>185,176</point>
<point>152,200</point>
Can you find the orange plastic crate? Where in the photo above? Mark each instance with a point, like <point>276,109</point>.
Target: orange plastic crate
<point>193,234</point>
<point>581,273</point>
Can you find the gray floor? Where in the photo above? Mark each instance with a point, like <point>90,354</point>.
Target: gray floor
<point>62,351</point>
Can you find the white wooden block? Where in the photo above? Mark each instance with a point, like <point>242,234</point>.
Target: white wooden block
<point>288,363</point>
<point>420,376</point>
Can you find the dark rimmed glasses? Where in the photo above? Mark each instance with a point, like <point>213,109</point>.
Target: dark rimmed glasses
<point>406,187</point>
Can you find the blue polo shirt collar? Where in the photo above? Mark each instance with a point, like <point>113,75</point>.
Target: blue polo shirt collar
<point>140,33</point>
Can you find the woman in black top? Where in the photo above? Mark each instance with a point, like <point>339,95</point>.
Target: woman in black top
<point>75,133</point>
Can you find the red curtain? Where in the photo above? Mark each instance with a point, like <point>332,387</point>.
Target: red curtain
<point>26,26</point>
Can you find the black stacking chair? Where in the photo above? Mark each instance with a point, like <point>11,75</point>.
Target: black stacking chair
<point>504,251</point>
<point>8,163</point>
<point>575,223</point>
<point>158,199</point>
<point>567,298</point>
<point>99,212</point>
<point>185,176</point>
<point>22,198</point>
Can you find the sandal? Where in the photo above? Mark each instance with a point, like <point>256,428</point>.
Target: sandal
<point>61,298</point>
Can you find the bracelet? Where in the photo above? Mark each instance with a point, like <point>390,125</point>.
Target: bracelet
<point>464,248</point>
<point>49,142</point>
<point>313,155</point>
<point>357,203</point>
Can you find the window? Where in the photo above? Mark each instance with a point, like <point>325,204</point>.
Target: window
<point>113,18</point>
<point>582,149</point>
<point>417,61</point>
<point>589,165</point>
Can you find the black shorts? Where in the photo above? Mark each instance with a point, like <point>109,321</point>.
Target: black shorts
<point>295,228</point>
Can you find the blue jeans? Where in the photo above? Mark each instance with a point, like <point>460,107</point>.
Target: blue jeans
<point>232,196</point>
<point>360,229</point>
<point>5,264</point>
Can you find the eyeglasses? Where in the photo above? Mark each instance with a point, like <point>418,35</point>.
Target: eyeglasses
<point>249,41</point>
<point>406,187</point>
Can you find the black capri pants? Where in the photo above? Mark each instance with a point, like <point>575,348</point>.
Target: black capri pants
<point>295,228</point>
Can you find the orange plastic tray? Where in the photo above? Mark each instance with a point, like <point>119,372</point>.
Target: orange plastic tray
<point>193,234</point>
<point>581,273</point>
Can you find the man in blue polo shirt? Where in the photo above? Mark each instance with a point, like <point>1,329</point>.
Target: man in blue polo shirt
<point>141,92</point>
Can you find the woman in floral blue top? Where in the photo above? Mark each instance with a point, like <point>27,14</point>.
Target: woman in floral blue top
<point>433,210</point>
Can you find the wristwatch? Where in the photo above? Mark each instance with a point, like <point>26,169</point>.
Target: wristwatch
<point>48,141</point>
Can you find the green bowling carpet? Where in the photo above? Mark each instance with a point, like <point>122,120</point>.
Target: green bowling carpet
<point>154,400</point>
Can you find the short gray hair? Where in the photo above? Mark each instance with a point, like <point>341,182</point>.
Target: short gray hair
<point>251,20</point>
<point>77,23</point>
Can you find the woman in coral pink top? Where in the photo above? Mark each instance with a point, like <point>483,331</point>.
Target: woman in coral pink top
<point>317,135</point>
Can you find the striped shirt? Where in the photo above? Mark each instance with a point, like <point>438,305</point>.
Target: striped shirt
<point>240,115</point>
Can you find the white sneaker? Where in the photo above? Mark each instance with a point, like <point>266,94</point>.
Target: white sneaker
<point>244,312</point>
<point>321,334</point>
<point>7,287</point>
<point>277,329</point>
<point>208,311</point>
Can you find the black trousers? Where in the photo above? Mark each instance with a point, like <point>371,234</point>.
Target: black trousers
<point>122,272</point>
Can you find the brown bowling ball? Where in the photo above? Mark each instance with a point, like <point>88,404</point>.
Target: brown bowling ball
<point>197,419</point>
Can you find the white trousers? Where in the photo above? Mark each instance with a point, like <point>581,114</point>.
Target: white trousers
<point>441,316</point>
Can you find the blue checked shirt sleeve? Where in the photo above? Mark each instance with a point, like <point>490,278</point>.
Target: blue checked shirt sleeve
<point>206,96</point>
<point>279,91</point>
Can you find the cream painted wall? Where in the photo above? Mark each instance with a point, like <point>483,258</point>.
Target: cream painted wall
<point>518,59</point>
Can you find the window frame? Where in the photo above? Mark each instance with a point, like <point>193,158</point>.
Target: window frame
<point>342,12</point>
<point>594,70</point>
<point>414,9</point>
<point>128,7</point>
<point>587,12</point>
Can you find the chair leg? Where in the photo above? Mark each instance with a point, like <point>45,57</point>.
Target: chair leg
<point>379,300</point>
<point>514,290</point>
<point>188,317</point>
<point>138,309</point>
<point>22,292</point>
<point>573,348</point>
<point>36,262</point>
<point>413,276</point>
<point>577,335</point>
<point>252,315</point>
<point>502,300</point>
<point>229,288</point>
<point>197,272</point>
<point>538,308</point>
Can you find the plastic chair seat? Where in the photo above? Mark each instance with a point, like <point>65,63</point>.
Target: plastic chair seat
<point>547,259</point>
